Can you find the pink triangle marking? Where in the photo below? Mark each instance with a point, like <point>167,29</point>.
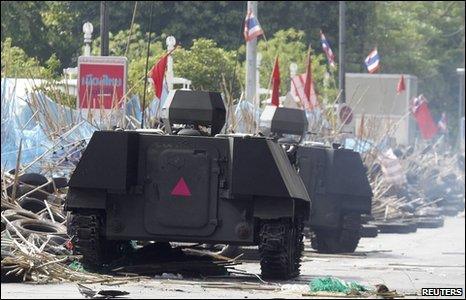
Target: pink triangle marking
<point>181,189</point>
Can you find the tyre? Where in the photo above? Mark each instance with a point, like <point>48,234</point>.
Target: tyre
<point>450,211</point>
<point>366,218</point>
<point>36,179</point>
<point>393,227</point>
<point>24,189</point>
<point>412,225</point>
<point>88,241</point>
<point>369,231</point>
<point>60,182</point>
<point>32,204</point>
<point>280,247</point>
<point>18,214</point>
<point>341,240</point>
<point>429,222</point>
<point>40,227</point>
<point>57,217</point>
<point>12,277</point>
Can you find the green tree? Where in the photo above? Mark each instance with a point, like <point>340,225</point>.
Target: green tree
<point>425,39</point>
<point>22,22</point>
<point>205,64</point>
<point>16,63</point>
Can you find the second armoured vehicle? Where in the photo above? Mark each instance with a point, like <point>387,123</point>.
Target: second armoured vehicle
<point>335,179</point>
<point>192,185</point>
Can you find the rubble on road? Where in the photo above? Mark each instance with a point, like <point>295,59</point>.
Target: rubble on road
<point>433,188</point>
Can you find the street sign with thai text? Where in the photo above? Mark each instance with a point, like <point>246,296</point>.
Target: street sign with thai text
<point>101,82</point>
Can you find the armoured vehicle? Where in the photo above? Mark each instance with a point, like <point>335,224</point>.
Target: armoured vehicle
<point>191,185</point>
<point>335,179</point>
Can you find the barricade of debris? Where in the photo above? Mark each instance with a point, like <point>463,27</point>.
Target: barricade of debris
<point>415,187</point>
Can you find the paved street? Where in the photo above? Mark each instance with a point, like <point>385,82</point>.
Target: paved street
<point>403,262</point>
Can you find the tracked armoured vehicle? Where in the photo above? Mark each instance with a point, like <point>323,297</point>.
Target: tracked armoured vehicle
<point>335,179</point>
<point>191,185</point>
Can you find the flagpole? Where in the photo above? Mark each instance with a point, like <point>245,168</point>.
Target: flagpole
<point>341,51</point>
<point>251,62</point>
<point>147,65</point>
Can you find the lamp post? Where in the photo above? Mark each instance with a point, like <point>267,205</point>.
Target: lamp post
<point>251,60</point>
<point>103,28</point>
<point>87,30</point>
<point>170,42</point>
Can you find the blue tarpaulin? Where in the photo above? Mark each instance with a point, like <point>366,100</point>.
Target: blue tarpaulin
<point>21,124</point>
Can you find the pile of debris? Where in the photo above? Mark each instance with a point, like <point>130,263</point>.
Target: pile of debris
<point>417,189</point>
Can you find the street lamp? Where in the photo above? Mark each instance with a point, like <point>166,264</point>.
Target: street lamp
<point>87,30</point>
<point>171,42</point>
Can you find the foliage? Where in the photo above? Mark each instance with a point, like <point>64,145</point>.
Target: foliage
<point>43,28</point>
<point>15,63</point>
<point>205,64</point>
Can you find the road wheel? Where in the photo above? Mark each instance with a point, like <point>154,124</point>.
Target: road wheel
<point>342,240</point>
<point>280,247</point>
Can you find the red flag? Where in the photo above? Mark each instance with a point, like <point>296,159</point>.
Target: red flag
<point>157,73</point>
<point>309,86</point>
<point>424,119</point>
<point>401,85</point>
<point>276,84</point>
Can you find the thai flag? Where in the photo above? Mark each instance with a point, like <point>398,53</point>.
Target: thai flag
<point>373,61</point>
<point>327,50</point>
<point>252,28</point>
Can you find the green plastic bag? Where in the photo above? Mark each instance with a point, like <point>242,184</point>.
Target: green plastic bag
<point>330,284</point>
<point>76,266</point>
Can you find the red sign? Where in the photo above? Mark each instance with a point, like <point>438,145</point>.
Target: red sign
<point>181,189</point>
<point>346,114</point>
<point>101,82</point>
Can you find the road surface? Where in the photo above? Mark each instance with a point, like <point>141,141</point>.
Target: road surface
<point>403,262</point>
